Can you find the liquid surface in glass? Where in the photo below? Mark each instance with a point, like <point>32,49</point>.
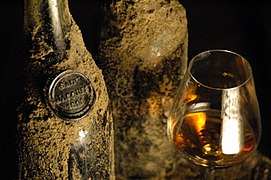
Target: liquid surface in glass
<point>201,137</point>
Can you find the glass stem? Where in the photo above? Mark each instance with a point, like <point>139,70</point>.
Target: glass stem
<point>210,173</point>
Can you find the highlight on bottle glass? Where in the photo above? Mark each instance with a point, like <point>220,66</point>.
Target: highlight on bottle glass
<point>215,119</point>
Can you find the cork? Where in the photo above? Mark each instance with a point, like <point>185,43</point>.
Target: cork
<point>143,55</point>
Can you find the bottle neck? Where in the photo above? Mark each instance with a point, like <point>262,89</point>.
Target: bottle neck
<point>45,23</point>
<point>57,30</point>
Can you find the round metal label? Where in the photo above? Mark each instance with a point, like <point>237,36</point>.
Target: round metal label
<point>71,95</point>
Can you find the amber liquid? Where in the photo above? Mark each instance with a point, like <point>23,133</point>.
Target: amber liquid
<point>198,137</point>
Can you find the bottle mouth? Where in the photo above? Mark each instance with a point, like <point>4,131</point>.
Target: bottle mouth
<point>220,69</point>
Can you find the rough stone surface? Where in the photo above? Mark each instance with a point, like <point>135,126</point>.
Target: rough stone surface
<point>50,147</point>
<point>255,167</point>
<point>143,54</point>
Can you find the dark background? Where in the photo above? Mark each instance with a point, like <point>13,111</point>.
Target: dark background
<point>243,27</point>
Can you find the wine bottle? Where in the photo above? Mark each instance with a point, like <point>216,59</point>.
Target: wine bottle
<point>143,54</point>
<point>65,126</point>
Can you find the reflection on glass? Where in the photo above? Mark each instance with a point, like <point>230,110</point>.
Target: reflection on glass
<point>232,140</point>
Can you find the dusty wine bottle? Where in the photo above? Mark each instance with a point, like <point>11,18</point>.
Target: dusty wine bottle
<point>65,128</point>
<point>143,54</point>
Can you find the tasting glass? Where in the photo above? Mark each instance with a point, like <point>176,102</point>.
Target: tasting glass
<point>215,118</point>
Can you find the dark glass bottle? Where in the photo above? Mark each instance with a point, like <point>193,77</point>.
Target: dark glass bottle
<point>65,128</point>
<point>143,54</point>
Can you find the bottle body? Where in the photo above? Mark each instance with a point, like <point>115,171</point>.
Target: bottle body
<point>143,54</point>
<point>65,127</point>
